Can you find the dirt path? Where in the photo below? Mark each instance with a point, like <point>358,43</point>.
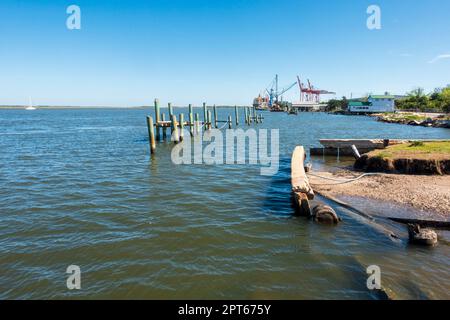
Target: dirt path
<point>426,193</point>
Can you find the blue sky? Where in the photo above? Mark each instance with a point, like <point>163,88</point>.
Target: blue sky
<point>222,52</point>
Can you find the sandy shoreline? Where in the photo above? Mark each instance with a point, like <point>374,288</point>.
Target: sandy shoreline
<point>425,193</point>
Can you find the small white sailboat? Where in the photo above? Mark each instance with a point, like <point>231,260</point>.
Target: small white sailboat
<point>30,106</point>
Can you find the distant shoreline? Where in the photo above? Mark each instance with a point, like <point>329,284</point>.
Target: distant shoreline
<point>67,107</point>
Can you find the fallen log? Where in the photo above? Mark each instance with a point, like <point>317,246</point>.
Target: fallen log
<point>304,194</point>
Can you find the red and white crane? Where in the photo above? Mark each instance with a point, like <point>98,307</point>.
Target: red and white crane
<point>310,94</point>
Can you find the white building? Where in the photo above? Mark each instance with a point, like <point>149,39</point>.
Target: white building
<point>374,104</point>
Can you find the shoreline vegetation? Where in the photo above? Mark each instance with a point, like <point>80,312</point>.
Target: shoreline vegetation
<point>415,119</point>
<point>412,174</point>
<point>415,108</point>
<point>421,158</point>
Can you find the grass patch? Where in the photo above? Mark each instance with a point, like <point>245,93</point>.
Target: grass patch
<point>416,150</point>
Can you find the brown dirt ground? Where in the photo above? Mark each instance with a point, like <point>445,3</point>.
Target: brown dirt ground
<point>427,193</point>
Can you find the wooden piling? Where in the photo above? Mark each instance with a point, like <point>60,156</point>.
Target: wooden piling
<point>245,116</point>
<point>164,129</point>
<point>230,124</point>
<point>197,123</point>
<point>205,119</point>
<point>191,120</point>
<point>175,137</point>
<point>209,125</point>
<point>170,110</point>
<point>157,119</point>
<point>236,115</point>
<point>151,135</point>
<point>181,127</point>
<point>215,117</point>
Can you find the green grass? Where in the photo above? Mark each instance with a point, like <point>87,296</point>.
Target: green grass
<point>416,148</point>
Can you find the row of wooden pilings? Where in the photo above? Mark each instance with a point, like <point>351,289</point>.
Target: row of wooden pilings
<point>157,128</point>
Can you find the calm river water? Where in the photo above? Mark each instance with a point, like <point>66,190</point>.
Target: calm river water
<point>78,187</point>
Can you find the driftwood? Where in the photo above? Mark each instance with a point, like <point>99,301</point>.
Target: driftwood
<point>304,194</point>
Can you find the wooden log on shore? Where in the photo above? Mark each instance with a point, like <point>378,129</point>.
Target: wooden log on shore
<point>151,135</point>
<point>304,194</point>
<point>300,185</point>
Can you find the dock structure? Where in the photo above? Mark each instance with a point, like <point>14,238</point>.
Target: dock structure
<point>157,128</point>
<point>303,194</point>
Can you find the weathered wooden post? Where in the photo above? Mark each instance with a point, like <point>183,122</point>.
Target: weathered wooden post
<point>205,115</point>
<point>157,119</point>
<point>236,115</point>
<point>181,127</point>
<point>250,120</point>
<point>246,115</point>
<point>209,120</point>
<point>170,110</point>
<point>151,135</point>
<point>197,123</point>
<point>164,129</point>
<point>215,117</point>
<point>230,124</point>
<point>175,136</point>
<point>191,120</point>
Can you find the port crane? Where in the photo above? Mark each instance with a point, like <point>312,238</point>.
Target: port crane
<point>274,92</point>
<point>310,94</point>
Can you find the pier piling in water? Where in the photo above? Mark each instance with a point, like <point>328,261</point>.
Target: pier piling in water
<point>181,127</point>
<point>157,119</point>
<point>209,122</point>
<point>191,120</point>
<point>197,123</point>
<point>157,130</point>
<point>170,110</point>
<point>151,135</point>
<point>175,136</point>
<point>215,117</point>
<point>205,115</point>
<point>164,129</point>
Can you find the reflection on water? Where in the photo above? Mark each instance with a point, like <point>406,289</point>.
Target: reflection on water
<point>79,187</point>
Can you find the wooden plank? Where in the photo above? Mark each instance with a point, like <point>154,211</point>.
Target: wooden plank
<point>299,180</point>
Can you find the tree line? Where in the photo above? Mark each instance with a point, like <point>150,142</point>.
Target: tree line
<point>415,100</point>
